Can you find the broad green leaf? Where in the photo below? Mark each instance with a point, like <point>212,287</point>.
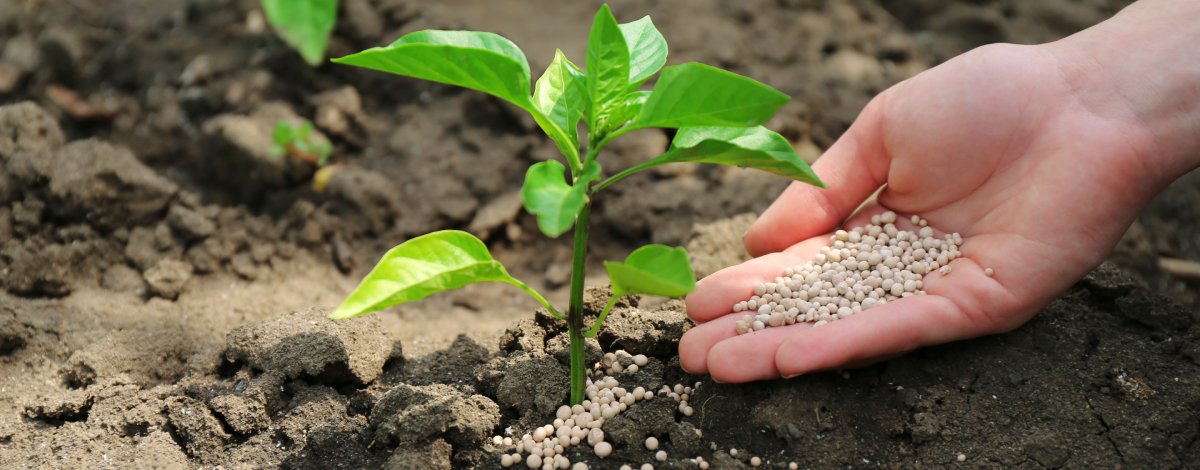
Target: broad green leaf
<point>547,195</point>
<point>303,24</point>
<point>423,266</point>
<point>647,50</point>
<point>607,60</point>
<point>480,61</point>
<point>622,111</point>
<point>653,270</point>
<point>695,94</point>
<point>561,96</point>
<point>748,147</point>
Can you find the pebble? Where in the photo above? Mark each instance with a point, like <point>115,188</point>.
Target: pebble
<point>862,268</point>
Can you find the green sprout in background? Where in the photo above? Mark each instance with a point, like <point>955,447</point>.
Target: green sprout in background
<point>718,115</point>
<point>300,143</point>
<point>303,24</point>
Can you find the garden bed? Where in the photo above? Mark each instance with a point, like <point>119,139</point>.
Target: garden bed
<point>163,281</point>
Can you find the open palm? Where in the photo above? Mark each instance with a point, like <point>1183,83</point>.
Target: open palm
<point>995,145</point>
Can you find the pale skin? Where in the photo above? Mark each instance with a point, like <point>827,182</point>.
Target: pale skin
<point>1040,156</point>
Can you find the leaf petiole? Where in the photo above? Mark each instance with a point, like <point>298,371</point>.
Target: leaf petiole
<point>538,297</point>
<point>595,329</point>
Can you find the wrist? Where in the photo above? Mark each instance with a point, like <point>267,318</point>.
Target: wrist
<point>1141,69</point>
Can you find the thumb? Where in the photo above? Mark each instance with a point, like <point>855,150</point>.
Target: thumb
<point>852,169</point>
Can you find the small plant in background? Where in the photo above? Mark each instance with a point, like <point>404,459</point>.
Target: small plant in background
<point>300,143</point>
<point>303,24</point>
<point>718,115</point>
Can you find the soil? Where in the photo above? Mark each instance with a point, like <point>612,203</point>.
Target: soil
<point>163,281</point>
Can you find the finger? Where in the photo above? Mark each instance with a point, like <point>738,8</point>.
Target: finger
<point>716,294</point>
<point>962,304</point>
<point>696,342</point>
<point>852,169</point>
<point>750,357</point>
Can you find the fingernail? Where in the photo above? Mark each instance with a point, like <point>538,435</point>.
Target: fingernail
<point>792,376</point>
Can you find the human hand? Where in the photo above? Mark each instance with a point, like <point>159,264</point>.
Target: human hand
<point>997,145</point>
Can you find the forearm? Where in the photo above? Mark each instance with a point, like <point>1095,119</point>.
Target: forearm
<point>1142,67</point>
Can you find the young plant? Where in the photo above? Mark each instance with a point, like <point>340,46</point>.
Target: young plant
<point>301,144</point>
<point>303,24</point>
<point>718,115</point>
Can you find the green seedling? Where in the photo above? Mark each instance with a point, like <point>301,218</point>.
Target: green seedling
<point>300,143</point>
<point>303,24</point>
<point>718,115</point>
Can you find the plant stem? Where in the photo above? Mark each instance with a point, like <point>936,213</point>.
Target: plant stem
<point>575,311</point>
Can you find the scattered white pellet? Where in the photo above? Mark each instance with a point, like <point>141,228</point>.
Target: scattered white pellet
<point>651,443</point>
<point>733,452</point>
<point>533,461</point>
<point>660,456</point>
<point>755,461</point>
<point>962,457</point>
<point>647,466</point>
<point>862,268</point>
<point>603,449</point>
<point>793,466</point>
<point>989,272</point>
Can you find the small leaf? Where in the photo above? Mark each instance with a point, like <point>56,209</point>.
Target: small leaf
<point>607,59</point>
<point>695,94</point>
<point>283,134</point>
<point>747,147</point>
<point>622,111</point>
<point>480,61</point>
<point>303,24</point>
<point>423,266</point>
<point>561,96</point>
<point>653,270</point>
<point>547,195</point>
<point>647,50</point>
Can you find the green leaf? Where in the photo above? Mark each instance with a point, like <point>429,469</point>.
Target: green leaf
<point>748,147</point>
<point>561,96</point>
<point>283,134</point>
<point>480,61</point>
<point>607,59</point>
<point>547,195</point>
<point>647,50</point>
<point>423,266</point>
<point>621,112</point>
<point>303,24</point>
<point>695,94</point>
<point>653,270</point>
